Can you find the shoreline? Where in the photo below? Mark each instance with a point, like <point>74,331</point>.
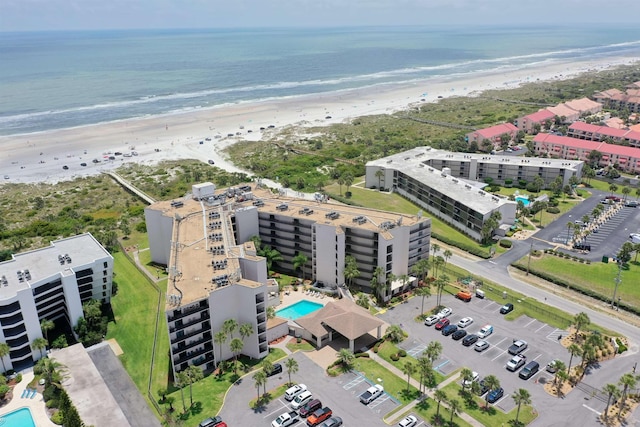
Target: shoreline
<point>40,157</point>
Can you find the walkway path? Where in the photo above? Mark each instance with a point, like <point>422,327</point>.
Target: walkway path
<point>130,187</point>
<point>428,392</point>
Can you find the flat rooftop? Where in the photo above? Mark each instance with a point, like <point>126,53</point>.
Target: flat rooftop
<point>206,255</point>
<point>44,263</point>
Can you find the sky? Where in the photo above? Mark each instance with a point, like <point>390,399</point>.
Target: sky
<point>39,15</point>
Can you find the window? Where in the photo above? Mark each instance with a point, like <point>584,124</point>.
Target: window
<point>105,264</point>
<point>104,272</point>
<point>104,287</point>
<point>104,280</point>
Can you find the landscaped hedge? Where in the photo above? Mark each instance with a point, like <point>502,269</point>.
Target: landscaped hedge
<point>506,243</point>
<point>553,210</point>
<point>472,249</point>
<point>584,291</point>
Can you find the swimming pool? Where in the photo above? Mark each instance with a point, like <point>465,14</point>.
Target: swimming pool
<point>299,309</point>
<point>524,200</point>
<point>19,418</point>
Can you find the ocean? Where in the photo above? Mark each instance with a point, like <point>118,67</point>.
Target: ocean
<point>52,80</point>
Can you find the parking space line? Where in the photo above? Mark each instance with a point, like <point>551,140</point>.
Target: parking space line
<point>441,365</point>
<point>277,410</point>
<point>537,357</point>
<point>379,401</point>
<point>354,383</point>
<point>527,325</point>
<point>503,398</point>
<point>499,342</point>
<point>591,409</point>
<point>503,352</point>
<point>541,327</point>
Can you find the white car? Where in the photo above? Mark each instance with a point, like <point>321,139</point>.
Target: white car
<point>464,322</point>
<point>431,320</point>
<point>485,331</point>
<point>474,377</point>
<point>516,362</point>
<point>294,391</point>
<point>445,312</point>
<point>371,394</point>
<point>408,421</point>
<point>481,345</point>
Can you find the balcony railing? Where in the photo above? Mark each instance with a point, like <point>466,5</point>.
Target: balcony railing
<point>204,316</point>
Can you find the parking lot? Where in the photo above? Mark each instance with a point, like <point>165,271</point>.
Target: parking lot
<point>341,394</point>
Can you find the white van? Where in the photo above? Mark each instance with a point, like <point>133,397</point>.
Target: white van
<point>301,399</point>
<point>485,331</point>
<point>479,293</point>
<point>294,391</point>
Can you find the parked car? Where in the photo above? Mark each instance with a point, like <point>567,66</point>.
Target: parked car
<point>449,329</point>
<point>285,420</point>
<point>371,394</point>
<point>446,312</point>
<point>292,392</point>
<point>277,369</point>
<point>310,407</point>
<point>552,368</point>
<point>485,331</point>
<point>333,421</point>
<point>516,362</point>
<point>482,389</point>
<point>211,162</point>
<point>469,340</point>
<point>464,322</point>
<point>518,347</point>
<point>529,370</point>
<point>408,421</point>
<point>65,167</point>
<point>211,422</point>
<point>474,377</point>
<point>301,399</point>
<point>495,395</point>
<point>464,296</point>
<point>431,320</point>
<point>631,204</point>
<point>444,322</point>
<point>481,346</point>
<point>459,334</point>
<point>319,416</point>
<point>507,308</point>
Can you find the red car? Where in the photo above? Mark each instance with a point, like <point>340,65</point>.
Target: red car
<point>442,323</point>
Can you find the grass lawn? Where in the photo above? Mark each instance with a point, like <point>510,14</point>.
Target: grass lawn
<point>145,259</point>
<point>293,346</point>
<point>135,310</point>
<point>395,386</point>
<point>270,395</point>
<point>596,277</point>
<point>428,408</point>
<point>491,417</point>
<point>387,349</point>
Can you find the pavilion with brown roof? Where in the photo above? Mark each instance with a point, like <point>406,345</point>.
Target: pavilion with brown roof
<point>343,317</point>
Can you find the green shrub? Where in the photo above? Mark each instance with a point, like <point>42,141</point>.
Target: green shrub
<point>472,249</point>
<point>395,357</point>
<point>402,353</point>
<point>509,233</point>
<point>506,243</point>
<point>53,403</point>
<point>553,210</point>
<point>56,418</point>
<point>18,378</point>
<point>621,347</point>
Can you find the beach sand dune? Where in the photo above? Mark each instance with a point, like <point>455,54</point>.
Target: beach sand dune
<point>202,134</point>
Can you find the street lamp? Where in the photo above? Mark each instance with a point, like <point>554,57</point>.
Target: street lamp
<point>617,281</point>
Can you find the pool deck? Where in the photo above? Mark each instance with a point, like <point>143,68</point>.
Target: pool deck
<point>293,297</point>
<point>36,405</point>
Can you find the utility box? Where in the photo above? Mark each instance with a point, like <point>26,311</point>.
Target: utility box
<point>605,259</point>
<point>203,191</point>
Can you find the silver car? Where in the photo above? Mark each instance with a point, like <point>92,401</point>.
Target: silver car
<point>481,345</point>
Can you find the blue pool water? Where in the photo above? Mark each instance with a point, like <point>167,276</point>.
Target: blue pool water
<point>20,418</point>
<point>299,309</point>
<point>524,200</point>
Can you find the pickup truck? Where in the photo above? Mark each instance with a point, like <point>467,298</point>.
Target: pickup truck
<point>371,394</point>
<point>286,419</point>
<point>464,296</point>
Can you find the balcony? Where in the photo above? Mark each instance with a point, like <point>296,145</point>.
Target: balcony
<point>205,330</point>
<point>262,330</point>
<point>191,344</point>
<point>259,298</point>
<point>204,316</point>
<point>261,319</point>
<point>179,314</point>
<point>194,354</point>
<point>13,320</point>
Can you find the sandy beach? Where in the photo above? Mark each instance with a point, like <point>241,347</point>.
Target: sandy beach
<point>202,134</point>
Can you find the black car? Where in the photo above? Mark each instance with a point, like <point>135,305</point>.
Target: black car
<point>495,395</point>
<point>277,369</point>
<point>65,167</point>
<point>448,330</point>
<point>459,334</point>
<point>507,308</point>
<point>469,340</point>
<point>482,388</point>
<point>83,164</point>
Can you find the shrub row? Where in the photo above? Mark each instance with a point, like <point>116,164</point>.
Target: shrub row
<point>584,291</point>
<point>553,210</point>
<point>472,249</point>
<point>506,243</point>
<point>567,256</point>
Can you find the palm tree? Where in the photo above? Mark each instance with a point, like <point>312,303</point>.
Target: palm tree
<point>491,382</point>
<point>345,357</point>
<point>613,392</point>
<point>246,330</point>
<point>192,374</point>
<point>39,344</point>
<point>229,327</point>
<point>260,379</point>
<point>425,368</point>
<point>340,183</point>
<point>627,381</point>
<point>435,248</point>
<point>46,325</point>
<point>580,321</point>
<point>573,350</point>
<point>439,396</point>
<point>404,278</point>
<point>271,255</point>
<point>181,381</point>
<point>560,367</point>
<point>454,406</point>
<point>408,369</point>
<point>467,376</point>
<point>292,367</point>
<point>433,350</point>
<point>220,338</point>
<point>613,188</point>
<point>394,334</point>
<point>378,282</point>
<point>348,181</point>
<point>421,268</point>
<point>271,312</point>
<point>521,396</point>
<point>52,370</point>
<point>4,351</point>
<point>236,346</point>
<point>299,261</point>
<point>423,292</point>
<point>379,174</point>
<point>563,376</point>
<point>447,254</point>
<point>440,283</point>
<point>570,227</point>
<point>437,263</point>
<point>350,270</point>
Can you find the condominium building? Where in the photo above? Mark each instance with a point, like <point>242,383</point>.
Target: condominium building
<point>49,283</point>
<point>215,273</point>
<point>590,132</point>
<point>493,134</point>
<point>618,100</point>
<point>445,183</point>
<point>528,123</point>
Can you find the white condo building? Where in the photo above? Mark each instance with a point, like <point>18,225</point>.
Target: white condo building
<point>215,274</point>
<point>49,283</point>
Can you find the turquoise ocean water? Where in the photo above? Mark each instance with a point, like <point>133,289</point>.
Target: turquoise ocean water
<point>53,80</point>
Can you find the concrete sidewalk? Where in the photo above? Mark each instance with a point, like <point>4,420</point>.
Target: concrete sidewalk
<point>428,393</point>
